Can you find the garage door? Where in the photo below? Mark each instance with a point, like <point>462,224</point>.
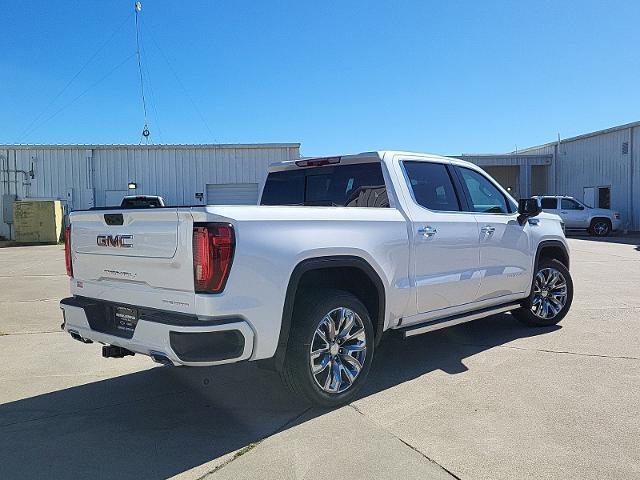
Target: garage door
<point>232,194</point>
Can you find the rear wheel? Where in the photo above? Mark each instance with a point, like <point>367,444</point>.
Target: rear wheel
<point>551,295</point>
<point>330,347</point>
<point>600,227</point>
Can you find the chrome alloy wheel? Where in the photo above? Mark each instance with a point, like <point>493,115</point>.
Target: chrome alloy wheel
<point>338,350</point>
<point>601,228</point>
<point>549,293</point>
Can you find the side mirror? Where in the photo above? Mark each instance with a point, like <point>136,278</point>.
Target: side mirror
<point>528,207</point>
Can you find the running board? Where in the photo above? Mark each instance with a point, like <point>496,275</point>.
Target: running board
<point>432,325</point>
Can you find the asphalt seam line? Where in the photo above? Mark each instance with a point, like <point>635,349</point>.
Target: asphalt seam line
<point>31,275</point>
<point>6,334</point>
<point>247,448</point>
<point>404,442</point>
<point>32,301</point>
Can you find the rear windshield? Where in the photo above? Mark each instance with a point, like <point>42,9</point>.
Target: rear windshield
<point>355,185</point>
<point>140,203</point>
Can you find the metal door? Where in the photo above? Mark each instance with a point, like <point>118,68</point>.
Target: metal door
<point>589,197</point>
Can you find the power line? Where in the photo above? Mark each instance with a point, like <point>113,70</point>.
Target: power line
<point>145,130</point>
<point>152,95</point>
<point>78,73</point>
<point>84,92</point>
<point>175,74</point>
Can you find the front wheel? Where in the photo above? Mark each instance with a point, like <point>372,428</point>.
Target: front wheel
<point>551,295</point>
<point>330,347</point>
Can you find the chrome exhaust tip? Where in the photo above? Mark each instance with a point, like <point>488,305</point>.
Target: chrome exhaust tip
<point>76,336</point>
<point>161,358</point>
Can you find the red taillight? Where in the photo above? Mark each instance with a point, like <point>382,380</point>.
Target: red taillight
<point>67,250</point>
<point>213,246</point>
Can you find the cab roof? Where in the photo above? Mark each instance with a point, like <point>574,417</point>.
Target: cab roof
<point>364,157</point>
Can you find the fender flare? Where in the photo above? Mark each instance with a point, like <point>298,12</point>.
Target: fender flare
<point>552,243</point>
<point>318,263</point>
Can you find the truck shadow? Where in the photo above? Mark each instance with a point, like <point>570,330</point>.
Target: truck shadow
<point>625,239</point>
<point>163,421</point>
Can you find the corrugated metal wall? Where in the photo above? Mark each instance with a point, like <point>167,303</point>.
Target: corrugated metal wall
<point>540,179</point>
<point>507,176</point>
<point>598,160</point>
<point>80,175</point>
<point>525,173</point>
<point>635,191</point>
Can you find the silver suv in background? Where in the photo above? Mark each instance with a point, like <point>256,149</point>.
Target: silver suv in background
<point>599,222</point>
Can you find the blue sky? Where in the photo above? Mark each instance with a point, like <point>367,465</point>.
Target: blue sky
<point>435,76</point>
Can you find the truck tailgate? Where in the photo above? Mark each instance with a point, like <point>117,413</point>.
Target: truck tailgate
<point>137,248</point>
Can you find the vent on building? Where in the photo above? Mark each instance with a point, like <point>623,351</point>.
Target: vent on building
<point>625,148</point>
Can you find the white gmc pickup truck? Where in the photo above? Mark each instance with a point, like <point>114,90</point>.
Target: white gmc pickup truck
<point>340,250</point>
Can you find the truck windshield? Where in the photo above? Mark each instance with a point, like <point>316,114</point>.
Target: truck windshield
<point>354,185</point>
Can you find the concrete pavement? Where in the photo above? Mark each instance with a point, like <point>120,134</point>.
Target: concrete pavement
<point>486,400</point>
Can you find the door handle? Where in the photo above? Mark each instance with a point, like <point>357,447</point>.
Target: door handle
<point>488,229</point>
<point>427,231</point>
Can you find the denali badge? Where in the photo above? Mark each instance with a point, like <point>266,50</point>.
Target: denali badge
<point>119,241</point>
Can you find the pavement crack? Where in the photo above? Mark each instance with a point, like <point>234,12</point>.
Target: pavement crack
<point>545,350</point>
<point>567,352</point>
<point>404,442</point>
<point>428,458</point>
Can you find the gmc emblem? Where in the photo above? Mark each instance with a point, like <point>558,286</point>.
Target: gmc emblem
<point>117,241</point>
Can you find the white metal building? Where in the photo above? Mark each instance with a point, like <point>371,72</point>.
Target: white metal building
<point>523,175</point>
<point>600,168</point>
<point>83,176</point>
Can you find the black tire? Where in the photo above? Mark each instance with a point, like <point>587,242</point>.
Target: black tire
<point>310,310</point>
<point>600,227</point>
<point>527,316</point>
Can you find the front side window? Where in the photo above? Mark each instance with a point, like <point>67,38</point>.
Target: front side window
<point>432,186</point>
<point>549,203</point>
<point>569,204</point>
<point>484,195</point>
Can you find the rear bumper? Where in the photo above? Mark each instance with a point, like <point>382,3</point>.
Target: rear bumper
<point>183,339</point>
<point>616,224</point>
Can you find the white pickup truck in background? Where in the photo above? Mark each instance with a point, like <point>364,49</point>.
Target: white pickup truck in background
<point>340,250</point>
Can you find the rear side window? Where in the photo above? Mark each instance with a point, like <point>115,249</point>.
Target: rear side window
<point>549,203</point>
<point>284,188</point>
<point>355,185</point>
<point>432,186</point>
<point>568,204</point>
<point>484,195</point>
